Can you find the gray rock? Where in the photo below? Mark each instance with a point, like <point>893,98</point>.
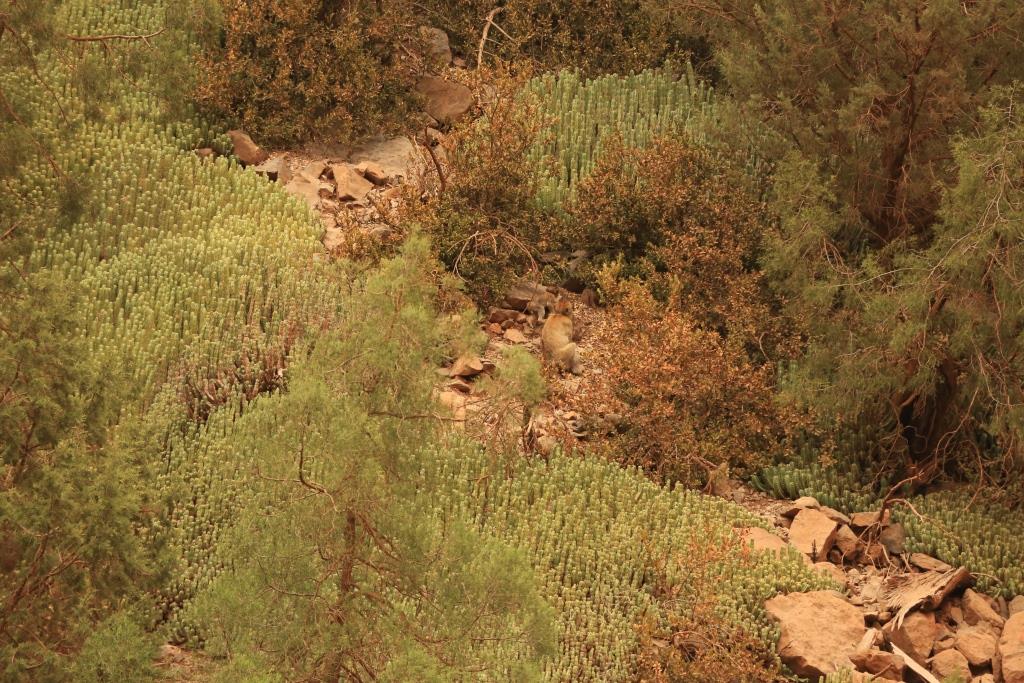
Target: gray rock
<point>438,53</point>
<point>894,539</point>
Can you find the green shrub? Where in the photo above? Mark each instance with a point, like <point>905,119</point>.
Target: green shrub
<point>118,650</point>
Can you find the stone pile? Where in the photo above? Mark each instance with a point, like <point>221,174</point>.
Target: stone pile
<point>898,616</point>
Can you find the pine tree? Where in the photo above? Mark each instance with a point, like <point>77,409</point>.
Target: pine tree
<point>340,565</point>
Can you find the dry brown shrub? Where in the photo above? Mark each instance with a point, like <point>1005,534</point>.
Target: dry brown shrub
<point>678,231</point>
<point>596,35</point>
<point>695,642</point>
<point>693,400</point>
<point>291,70</point>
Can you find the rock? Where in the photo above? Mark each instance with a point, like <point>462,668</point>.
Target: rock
<point>445,100</point>
<point>1010,651</point>
<point>977,610</point>
<point>206,153</point>
<point>523,293</point>
<point>802,503</point>
<point>461,386</point>
<point>984,678</point>
<point>247,151</point>
<point>952,613</point>
<point>819,631</point>
<point>500,315</point>
<point>871,590</point>
<point>375,173</point>
<point>894,539</point>
<point>835,515</point>
<point>349,185</point>
<point>514,336</point>
<point>1016,605</point>
<point>950,663</point>
<point>928,563</point>
<point>976,643</point>
<point>812,533</point>
<point>435,44</point>
<point>275,169</point>
<point>395,157</point>
<point>885,665</point>
<point>836,573</point>
<point>847,543</point>
<point>379,231</point>
<point>762,540</point>
<point>863,520</point>
<point>466,366</point>
<point>915,635</point>
<point>944,643</point>
<point>307,184</point>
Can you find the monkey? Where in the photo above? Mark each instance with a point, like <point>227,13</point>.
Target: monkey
<point>556,339</point>
<point>540,304</point>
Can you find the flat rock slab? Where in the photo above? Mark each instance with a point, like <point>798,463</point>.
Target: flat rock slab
<point>350,185</point>
<point>762,540</point>
<point>396,158</point>
<point>819,631</point>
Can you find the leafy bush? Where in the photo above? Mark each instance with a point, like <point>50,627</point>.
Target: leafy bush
<point>119,650</point>
<point>486,224</point>
<point>296,70</point>
<point>607,35</point>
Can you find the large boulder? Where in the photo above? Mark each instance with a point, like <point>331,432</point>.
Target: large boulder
<point>813,533</point>
<point>1010,653</point>
<point>445,101</point>
<point>819,631</point>
<point>247,151</point>
<point>1016,605</point>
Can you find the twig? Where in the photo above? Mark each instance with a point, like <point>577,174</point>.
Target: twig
<point>483,38</point>
<point>437,164</point>
<point>144,37</point>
